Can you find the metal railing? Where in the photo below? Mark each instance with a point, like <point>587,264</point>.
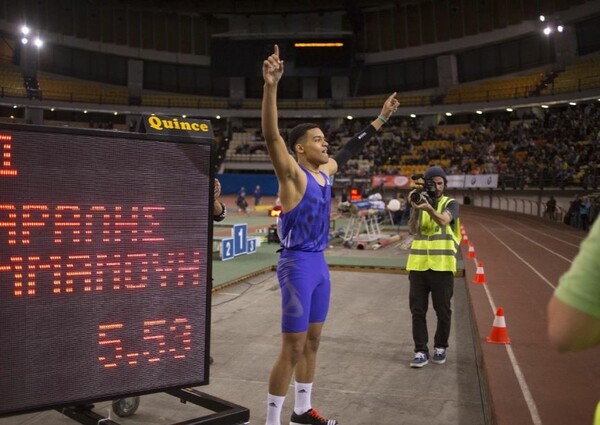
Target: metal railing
<point>517,204</point>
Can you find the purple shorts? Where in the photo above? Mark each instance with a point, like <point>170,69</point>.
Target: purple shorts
<point>305,289</point>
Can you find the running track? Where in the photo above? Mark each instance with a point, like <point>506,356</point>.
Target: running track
<point>528,382</point>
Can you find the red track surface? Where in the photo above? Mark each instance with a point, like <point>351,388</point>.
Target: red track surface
<point>523,257</point>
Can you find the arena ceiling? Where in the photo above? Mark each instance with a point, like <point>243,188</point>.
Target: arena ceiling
<point>254,6</point>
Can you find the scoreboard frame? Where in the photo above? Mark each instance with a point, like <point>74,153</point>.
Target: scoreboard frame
<point>79,219</point>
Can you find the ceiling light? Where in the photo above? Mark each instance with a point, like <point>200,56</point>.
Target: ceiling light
<point>509,110</point>
<point>448,114</point>
<point>319,44</point>
<point>542,18</point>
<point>545,106</point>
<point>414,116</point>
<point>478,112</point>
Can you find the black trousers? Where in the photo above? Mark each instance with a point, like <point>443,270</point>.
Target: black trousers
<point>441,287</point>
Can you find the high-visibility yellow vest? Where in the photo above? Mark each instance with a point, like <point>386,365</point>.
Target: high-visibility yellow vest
<point>597,415</point>
<point>434,247</point>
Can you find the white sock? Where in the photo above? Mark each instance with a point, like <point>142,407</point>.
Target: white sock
<point>274,405</point>
<point>302,397</point>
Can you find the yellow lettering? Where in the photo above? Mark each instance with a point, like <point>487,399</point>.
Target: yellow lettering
<point>170,124</point>
<point>155,123</point>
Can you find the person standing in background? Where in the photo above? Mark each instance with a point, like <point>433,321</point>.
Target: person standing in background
<point>431,265</point>
<point>551,208</point>
<point>257,195</point>
<point>241,202</point>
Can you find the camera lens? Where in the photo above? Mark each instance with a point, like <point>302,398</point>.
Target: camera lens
<point>416,198</point>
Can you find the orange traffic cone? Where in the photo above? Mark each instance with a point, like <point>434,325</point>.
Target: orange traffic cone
<point>465,239</point>
<point>471,253</point>
<point>479,274</point>
<point>499,334</point>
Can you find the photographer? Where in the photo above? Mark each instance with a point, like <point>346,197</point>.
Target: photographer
<point>431,263</point>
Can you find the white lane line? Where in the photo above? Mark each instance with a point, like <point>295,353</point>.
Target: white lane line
<point>527,396</point>
<point>546,235</point>
<point>538,244</point>
<point>570,234</point>
<point>535,416</point>
<point>575,245</point>
<point>522,259</point>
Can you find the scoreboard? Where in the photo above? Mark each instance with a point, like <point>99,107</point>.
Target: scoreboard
<point>104,265</point>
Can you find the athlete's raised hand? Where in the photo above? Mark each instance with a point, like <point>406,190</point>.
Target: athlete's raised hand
<point>273,67</point>
<point>390,106</point>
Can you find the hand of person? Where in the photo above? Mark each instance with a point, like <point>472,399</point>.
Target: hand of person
<point>409,197</point>
<point>273,68</point>
<point>390,106</point>
<point>217,191</point>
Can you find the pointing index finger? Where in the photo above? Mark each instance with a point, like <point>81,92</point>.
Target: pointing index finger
<point>276,51</point>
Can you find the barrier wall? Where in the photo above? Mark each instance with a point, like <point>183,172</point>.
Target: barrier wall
<point>232,182</point>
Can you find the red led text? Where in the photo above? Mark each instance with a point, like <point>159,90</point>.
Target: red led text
<point>6,170</point>
<point>101,272</point>
<point>158,340</point>
<point>79,225</point>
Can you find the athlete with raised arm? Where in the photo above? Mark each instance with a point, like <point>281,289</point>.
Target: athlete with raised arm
<point>305,192</point>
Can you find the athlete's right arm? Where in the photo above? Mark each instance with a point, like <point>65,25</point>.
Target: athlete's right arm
<point>285,166</point>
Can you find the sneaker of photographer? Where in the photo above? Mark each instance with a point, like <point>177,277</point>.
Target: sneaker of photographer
<point>311,417</point>
<point>439,355</point>
<point>420,360</point>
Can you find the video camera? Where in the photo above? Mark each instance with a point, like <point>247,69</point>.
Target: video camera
<point>425,191</point>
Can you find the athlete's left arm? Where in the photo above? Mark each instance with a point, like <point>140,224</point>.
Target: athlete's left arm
<point>355,145</point>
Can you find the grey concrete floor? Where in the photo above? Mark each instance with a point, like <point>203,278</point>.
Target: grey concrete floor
<point>363,377</point>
